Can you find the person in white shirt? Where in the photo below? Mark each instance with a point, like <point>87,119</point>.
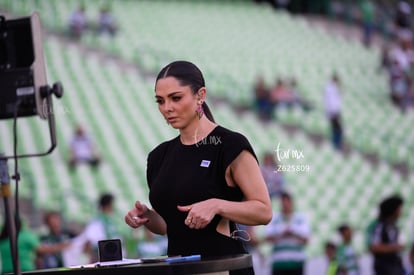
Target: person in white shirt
<point>102,227</point>
<point>333,105</point>
<point>106,22</point>
<point>288,232</point>
<point>82,150</point>
<point>77,23</point>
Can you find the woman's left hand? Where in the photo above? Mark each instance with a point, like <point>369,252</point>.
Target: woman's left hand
<point>199,214</point>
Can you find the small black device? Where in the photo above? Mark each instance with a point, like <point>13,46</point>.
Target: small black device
<point>110,250</point>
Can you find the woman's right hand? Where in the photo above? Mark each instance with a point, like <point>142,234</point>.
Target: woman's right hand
<point>137,215</point>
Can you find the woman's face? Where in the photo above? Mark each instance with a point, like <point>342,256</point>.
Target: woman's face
<point>176,103</point>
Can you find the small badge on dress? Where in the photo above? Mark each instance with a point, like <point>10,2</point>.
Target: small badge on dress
<point>205,163</point>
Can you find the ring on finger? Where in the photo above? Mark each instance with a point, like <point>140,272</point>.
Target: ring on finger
<point>135,218</point>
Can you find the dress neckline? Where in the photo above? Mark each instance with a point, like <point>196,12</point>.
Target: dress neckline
<point>200,141</point>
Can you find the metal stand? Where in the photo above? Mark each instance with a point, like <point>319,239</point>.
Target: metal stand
<point>37,101</point>
<point>11,226</point>
<point>46,93</point>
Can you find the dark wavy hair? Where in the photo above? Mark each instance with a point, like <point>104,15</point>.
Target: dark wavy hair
<point>105,199</point>
<point>187,74</point>
<point>389,206</point>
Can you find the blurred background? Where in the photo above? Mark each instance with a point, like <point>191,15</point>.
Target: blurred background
<point>107,69</point>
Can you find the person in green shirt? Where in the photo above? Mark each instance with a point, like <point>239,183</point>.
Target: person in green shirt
<point>345,254</point>
<point>288,232</point>
<point>56,233</point>
<point>368,21</point>
<point>28,246</point>
<point>102,227</point>
<point>330,253</point>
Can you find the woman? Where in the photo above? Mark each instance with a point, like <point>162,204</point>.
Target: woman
<point>384,242</point>
<point>203,182</point>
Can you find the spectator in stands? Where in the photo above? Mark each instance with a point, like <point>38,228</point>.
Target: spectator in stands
<point>281,95</point>
<point>203,182</point>
<point>402,21</point>
<point>102,227</point>
<point>345,253</point>
<point>409,99</point>
<point>56,234</point>
<point>368,20</point>
<point>333,102</point>
<point>82,150</point>
<point>330,254</point>
<point>106,22</point>
<point>28,245</point>
<point>274,179</point>
<point>78,23</point>
<point>262,100</point>
<point>288,232</point>
<point>403,53</point>
<point>383,238</point>
<point>401,72</point>
<point>399,84</point>
<point>284,94</point>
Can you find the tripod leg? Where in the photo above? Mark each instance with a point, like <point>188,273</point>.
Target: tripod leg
<point>10,222</point>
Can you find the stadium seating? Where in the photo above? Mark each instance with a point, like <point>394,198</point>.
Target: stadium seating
<point>232,44</point>
<point>235,41</point>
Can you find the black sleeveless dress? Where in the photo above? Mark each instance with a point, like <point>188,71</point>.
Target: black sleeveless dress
<point>180,174</point>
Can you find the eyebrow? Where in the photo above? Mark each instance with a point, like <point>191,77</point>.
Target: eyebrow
<point>170,95</point>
